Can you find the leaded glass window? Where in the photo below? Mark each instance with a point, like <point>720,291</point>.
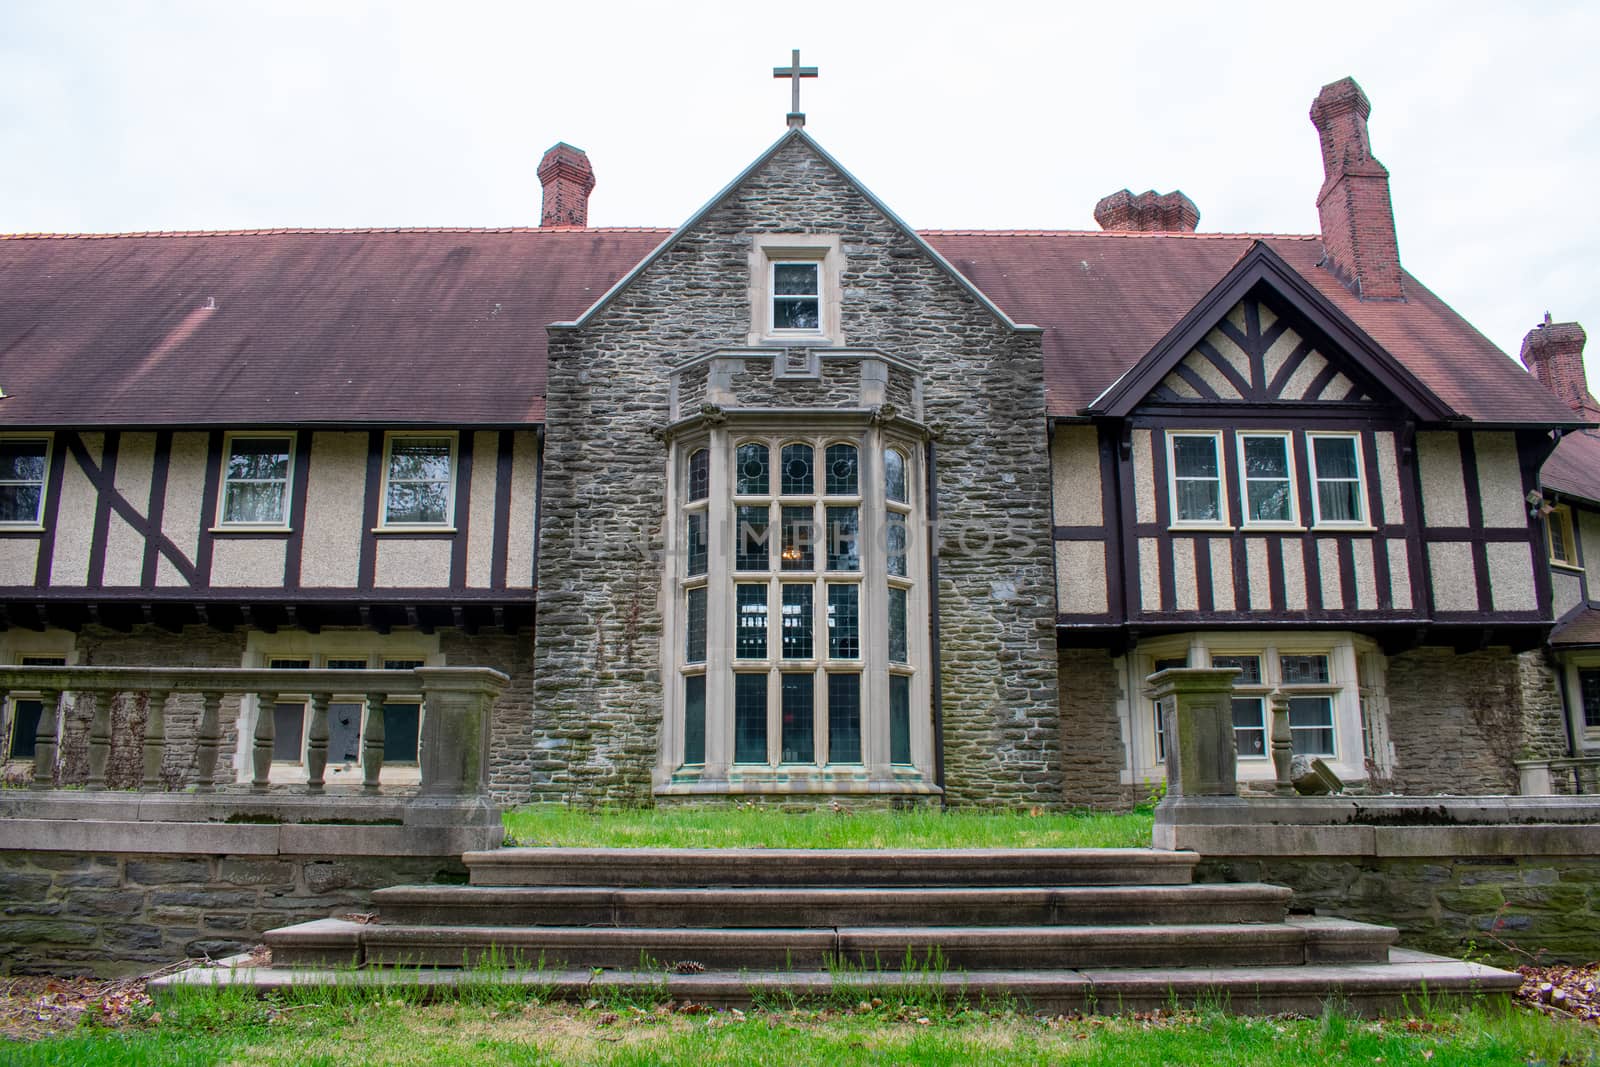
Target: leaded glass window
<point>797,623</point>
<point>797,477</point>
<point>694,719</point>
<point>418,481</point>
<point>23,462</point>
<point>894,475</point>
<point>843,535</point>
<point>699,474</point>
<point>844,622</point>
<point>750,630</point>
<point>844,718</point>
<point>899,718</point>
<point>750,718</point>
<point>1249,668</point>
<point>698,546</point>
<point>1304,670</point>
<point>750,474</point>
<point>1196,478</point>
<point>799,730</point>
<point>255,481</point>
<point>898,642</point>
<point>694,645</point>
<point>842,477</point>
<point>752,538</point>
<point>1268,481</point>
<point>799,539</point>
<point>894,539</point>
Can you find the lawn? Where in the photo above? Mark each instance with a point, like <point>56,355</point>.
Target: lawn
<point>757,826</point>
<point>499,1027</point>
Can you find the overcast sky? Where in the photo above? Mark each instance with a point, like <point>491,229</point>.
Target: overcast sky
<point>229,114</point>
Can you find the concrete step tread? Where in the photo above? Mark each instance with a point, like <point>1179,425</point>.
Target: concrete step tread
<point>516,894</point>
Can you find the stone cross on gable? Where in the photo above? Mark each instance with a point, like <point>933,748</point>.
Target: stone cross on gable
<point>794,72</point>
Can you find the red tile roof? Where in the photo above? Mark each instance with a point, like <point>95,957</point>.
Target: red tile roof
<point>1582,629</point>
<point>445,325</point>
<point>1574,467</point>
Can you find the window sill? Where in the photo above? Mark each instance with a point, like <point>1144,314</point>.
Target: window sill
<point>1337,527</point>
<point>412,531</point>
<point>1570,568</point>
<point>249,528</point>
<point>1271,527</point>
<point>1200,527</point>
<point>21,527</point>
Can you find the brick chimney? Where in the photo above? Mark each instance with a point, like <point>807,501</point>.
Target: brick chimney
<point>567,178</point>
<point>1147,212</point>
<point>1553,352</point>
<point>1357,217</point>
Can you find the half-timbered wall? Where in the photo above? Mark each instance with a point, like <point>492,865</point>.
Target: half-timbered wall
<point>127,513</point>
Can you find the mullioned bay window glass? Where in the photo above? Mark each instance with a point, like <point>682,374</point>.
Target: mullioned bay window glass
<point>694,718</point>
<point>750,718</point>
<point>1268,475</point>
<point>797,621</point>
<point>750,628</point>
<point>24,462</point>
<point>799,718</point>
<point>419,480</point>
<point>844,718</point>
<point>1196,471</point>
<point>1338,493</point>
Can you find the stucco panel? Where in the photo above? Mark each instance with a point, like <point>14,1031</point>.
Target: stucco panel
<point>1184,589</point>
<point>124,553</point>
<point>480,509</point>
<point>19,560</point>
<point>181,520</point>
<point>1566,592</point>
<point>413,563</point>
<point>1455,584</point>
<point>1366,579</point>
<point>1328,573</point>
<point>1294,575</point>
<point>1444,497</point>
<point>247,563</point>
<point>1149,574</point>
<point>1222,592</point>
<point>1400,574</point>
<point>1144,478</point>
<point>524,495</point>
<point>1589,542</point>
<point>1075,465</point>
<point>1258,568</point>
<point>74,529</point>
<point>1511,582</point>
<point>335,491</point>
<point>1500,480</point>
<point>1081,577</point>
<point>1389,477</point>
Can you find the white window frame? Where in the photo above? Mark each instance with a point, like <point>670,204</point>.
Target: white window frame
<point>773,296</point>
<point>447,524</point>
<point>1318,522</point>
<point>1222,521</point>
<point>1247,520</point>
<point>221,522</point>
<point>37,522</point>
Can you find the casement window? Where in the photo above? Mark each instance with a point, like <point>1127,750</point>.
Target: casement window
<point>402,715</point>
<point>419,480</point>
<point>1266,467</point>
<point>1195,463</point>
<point>24,467</point>
<point>816,539</point>
<point>26,711</point>
<point>255,481</point>
<point>1558,534</point>
<point>1338,496</point>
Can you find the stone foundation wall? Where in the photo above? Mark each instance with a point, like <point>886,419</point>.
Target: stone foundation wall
<point>118,913</point>
<point>1092,755</point>
<point>1456,721</point>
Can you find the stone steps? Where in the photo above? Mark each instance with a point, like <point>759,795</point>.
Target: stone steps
<point>830,906</point>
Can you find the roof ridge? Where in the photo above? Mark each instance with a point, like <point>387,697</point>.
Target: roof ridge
<point>1120,234</point>
<point>325,231</point>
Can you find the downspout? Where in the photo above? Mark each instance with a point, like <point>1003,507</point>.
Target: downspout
<point>935,684</point>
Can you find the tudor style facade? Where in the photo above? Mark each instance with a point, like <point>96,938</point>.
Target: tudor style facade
<point>793,500</point>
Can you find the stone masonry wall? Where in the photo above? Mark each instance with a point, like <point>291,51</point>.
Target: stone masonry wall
<point>1544,722</point>
<point>1455,720</point>
<point>109,913</point>
<point>597,658</point>
<point>1091,733</point>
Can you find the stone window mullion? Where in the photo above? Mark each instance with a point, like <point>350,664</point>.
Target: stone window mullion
<point>723,535</point>
<point>874,609</point>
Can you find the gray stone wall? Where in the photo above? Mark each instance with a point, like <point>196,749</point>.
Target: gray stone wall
<point>1456,721</point>
<point>1091,732</point>
<point>838,385</point>
<point>596,660</point>
<point>116,913</point>
<point>1544,724</point>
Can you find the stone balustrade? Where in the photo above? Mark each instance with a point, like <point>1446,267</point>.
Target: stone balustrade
<point>1572,776</point>
<point>453,754</point>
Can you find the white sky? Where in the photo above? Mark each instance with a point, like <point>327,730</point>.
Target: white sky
<point>996,114</point>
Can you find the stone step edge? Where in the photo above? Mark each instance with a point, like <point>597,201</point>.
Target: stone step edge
<point>1406,981</point>
<point>656,895</point>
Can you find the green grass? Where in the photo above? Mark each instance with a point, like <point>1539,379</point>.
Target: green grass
<point>750,826</point>
<point>393,1028</point>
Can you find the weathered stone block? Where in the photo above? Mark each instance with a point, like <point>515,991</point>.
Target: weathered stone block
<point>165,872</point>
<point>255,872</point>
<point>112,902</point>
<point>48,932</point>
<point>131,936</point>
<point>203,898</point>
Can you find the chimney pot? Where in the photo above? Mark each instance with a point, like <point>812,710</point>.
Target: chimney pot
<point>567,178</point>
<point>1356,214</point>
<point>1553,353</point>
<point>1147,212</point>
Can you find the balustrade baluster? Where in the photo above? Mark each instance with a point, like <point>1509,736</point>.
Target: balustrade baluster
<point>317,743</point>
<point>261,747</point>
<point>155,736</point>
<point>210,733</point>
<point>44,745</point>
<point>100,739</point>
<point>372,743</point>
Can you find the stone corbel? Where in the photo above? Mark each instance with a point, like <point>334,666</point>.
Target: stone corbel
<point>713,414</point>
<point>884,414</point>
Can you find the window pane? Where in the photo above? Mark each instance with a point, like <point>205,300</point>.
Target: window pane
<point>1249,731</point>
<point>1194,457</point>
<point>797,473</point>
<point>700,475</point>
<point>20,503</point>
<point>1249,668</point>
<point>899,719</point>
<point>794,279</point>
<point>750,629</point>
<point>25,716</point>
<point>894,539</point>
<point>1304,670</point>
<point>1338,501</point>
<point>1199,501</point>
<point>750,474</point>
<point>844,552</point>
<point>894,475</point>
<point>344,732</point>
<point>259,457</point>
<point>750,718</point>
<point>844,718</point>
<point>401,723</point>
<point>1269,502</point>
<point>1555,529</point>
<point>253,502</point>
<point>401,664</point>
<point>797,622</point>
<point>1311,724</point>
<point>694,646</point>
<point>1266,474</point>
<point>22,460</point>
<point>1266,457</point>
<point>799,734</point>
<point>426,458</point>
<point>1589,686</point>
<point>841,470</point>
<point>897,627</point>
<point>288,725</point>
<point>420,502</point>
<point>795,313</point>
<point>1336,457</point>
<point>697,544</point>
<point>844,626</point>
<point>694,719</point>
<point>799,539</point>
<point>752,540</point>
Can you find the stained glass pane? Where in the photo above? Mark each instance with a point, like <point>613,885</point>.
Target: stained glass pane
<point>22,460</point>
<point>899,719</point>
<point>694,645</point>
<point>750,475</point>
<point>1249,668</point>
<point>699,475</point>
<point>797,475</point>
<point>799,539</point>
<point>844,718</point>
<point>841,460</point>
<point>694,719</point>
<point>797,622</point>
<point>1311,725</point>
<point>897,627</point>
<point>1304,670</point>
<point>844,551</point>
<point>697,544</point>
<point>894,475</point>
<point>799,732</point>
<point>750,628</point>
<point>844,622</point>
<point>752,539</point>
<point>894,537</point>
<point>750,718</point>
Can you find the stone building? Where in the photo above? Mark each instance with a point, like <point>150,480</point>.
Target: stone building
<point>793,499</point>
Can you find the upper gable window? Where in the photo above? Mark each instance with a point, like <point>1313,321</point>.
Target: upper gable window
<point>23,463</point>
<point>1197,492</point>
<point>419,480</point>
<point>794,289</point>
<point>1558,534</point>
<point>1338,493</point>
<point>1266,467</point>
<point>255,481</point>
<point>797,297</point>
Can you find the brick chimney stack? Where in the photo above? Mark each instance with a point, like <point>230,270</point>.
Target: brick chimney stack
<point>567,178</point>
<point>1357,217</point>
<point>1553,352</point>
<point>1147,212</point>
